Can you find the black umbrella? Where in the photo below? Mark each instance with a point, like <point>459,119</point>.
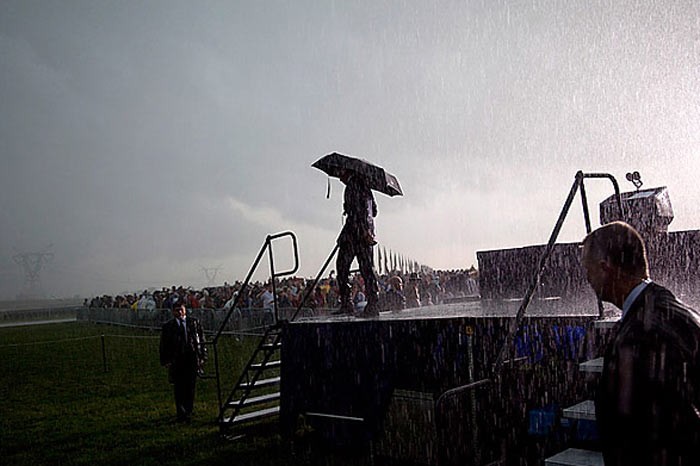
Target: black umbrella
<point>376,177</point>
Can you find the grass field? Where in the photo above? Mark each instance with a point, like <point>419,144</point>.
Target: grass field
<point>59,406</point>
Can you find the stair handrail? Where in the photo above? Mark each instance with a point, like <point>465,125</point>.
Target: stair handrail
<point>267,246</point>
<point>578,184</point>
<point>310,289</point>
<point>273,275</point>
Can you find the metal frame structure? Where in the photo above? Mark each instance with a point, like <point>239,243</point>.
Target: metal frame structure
<point>578,185</point>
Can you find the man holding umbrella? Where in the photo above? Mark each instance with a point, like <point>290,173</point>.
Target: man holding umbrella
<point>356,239</point>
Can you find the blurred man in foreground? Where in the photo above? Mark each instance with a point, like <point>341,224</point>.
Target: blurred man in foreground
<point>647,408</point>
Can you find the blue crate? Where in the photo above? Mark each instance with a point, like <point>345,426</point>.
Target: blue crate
<point>542,421</point>
<point>586,431</point>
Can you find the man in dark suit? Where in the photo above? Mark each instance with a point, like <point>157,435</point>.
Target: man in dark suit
<point>648,403</point>
<point>183,353</point>
<point>356,239</point>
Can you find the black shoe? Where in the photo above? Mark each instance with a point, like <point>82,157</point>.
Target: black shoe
<point>369,311</point>
<point>343,310</point>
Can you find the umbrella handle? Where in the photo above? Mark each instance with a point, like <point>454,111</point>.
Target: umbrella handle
<point>328,188</point>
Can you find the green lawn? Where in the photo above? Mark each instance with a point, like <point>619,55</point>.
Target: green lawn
<point>59,406</point>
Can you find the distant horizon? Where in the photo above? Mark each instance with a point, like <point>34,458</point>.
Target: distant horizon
<point>232,281</point>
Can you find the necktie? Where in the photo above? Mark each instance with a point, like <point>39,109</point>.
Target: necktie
<point>183,329</point>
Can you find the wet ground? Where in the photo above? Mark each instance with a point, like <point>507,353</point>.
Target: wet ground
<point>477,308</point>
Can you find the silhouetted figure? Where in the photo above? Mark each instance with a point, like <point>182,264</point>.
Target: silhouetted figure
<point>394,297</point>
<point>648,404</point>
<point>356,239</point>
<point>412,292</point>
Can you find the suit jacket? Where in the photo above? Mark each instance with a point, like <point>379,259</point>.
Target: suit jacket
<point>360,207</point>
<point>174,350</point>
<point>648,401</point>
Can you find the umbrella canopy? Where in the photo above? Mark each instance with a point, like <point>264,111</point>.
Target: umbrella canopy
<point>377,178</point>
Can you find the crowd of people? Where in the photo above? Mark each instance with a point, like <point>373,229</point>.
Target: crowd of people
<point>397,291</point>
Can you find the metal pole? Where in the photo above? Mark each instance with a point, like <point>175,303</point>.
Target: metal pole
<point>310,289</point>
<point>104,354</point>
<point>241,292</point>
<point>272,282</point>
<point>218,382</point>
<point>274,274</point>
<point>586,214</point>
<point>587,220</point>
<point>474,428</point>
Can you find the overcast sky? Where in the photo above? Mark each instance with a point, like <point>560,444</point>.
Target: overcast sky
<point>145,140</point>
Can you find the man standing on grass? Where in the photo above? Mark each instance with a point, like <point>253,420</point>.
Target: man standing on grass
<point>183,353</point>
<point>648,404</point>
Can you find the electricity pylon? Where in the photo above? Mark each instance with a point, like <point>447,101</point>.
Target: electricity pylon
<point>211,273</point>
<point>32,263</point>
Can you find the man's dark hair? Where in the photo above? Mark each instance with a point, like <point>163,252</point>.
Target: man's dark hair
<point>177,304</point>
<point>619,243</point>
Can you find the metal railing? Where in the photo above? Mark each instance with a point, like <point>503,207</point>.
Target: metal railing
<point>578,185</point>
<point>245,320</point>
<point>266,247</point>
<point>311,288</point>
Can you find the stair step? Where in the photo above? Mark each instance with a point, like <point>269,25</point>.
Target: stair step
<point>335,417</point>
<point>268,365</point>
<point>272,345</point>
<point>606,323</point>
<point>594,365</point>
<point>575,457</point>
<point>252,416</point>
<point>262,382</point>
<point>584,410</point>
<point>255,400</point>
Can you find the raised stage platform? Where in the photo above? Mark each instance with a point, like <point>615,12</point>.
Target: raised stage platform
<point>385,381</point>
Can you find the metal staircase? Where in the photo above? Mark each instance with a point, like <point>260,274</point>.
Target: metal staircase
<point>256,394</point>
<point>583,411</point>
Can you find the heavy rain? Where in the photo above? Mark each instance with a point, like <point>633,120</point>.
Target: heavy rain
<point>428,233</point>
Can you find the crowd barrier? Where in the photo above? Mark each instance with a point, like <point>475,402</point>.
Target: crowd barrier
<point>44,314</point>
<point>253,320</point>
<point>28,304</point>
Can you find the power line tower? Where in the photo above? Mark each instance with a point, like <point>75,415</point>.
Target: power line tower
<point>211,273</point>
<point>32,263</point>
